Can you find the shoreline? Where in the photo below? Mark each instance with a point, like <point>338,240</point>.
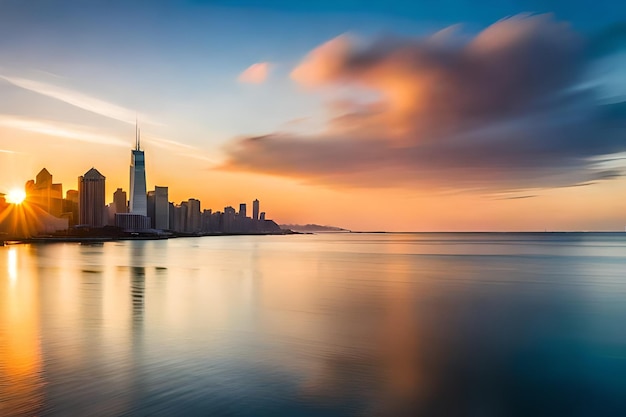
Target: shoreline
<point>103,239</point>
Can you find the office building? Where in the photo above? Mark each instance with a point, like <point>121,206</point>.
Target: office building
<point>70,207</point>
<point>119,201</point>
<point>228,219</point>
<point>159,208</point>
<point>45,194</point>
<point>182,217</point>
<point>194,219</point>
<point>150,200</point>
<point>172,216</point>
<point>255,209</point>
<point>91,203</point>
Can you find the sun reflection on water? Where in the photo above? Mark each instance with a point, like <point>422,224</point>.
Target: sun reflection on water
<point>12,265</point>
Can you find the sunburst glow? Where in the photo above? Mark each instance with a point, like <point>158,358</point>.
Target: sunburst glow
<point>16,196</point>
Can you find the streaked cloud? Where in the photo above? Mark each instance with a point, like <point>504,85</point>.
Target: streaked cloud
<point>517,197</point>
<point>179,148</point>
<point>499,109</point>
<point>255,73</point>
<point>60,130</point>
<point>169,144</point>
<point>80,100</point>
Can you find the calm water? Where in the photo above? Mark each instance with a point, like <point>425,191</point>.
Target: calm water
<point>308,325</point>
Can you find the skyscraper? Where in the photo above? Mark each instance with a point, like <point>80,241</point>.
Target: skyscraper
<point>242,210</point>
<point>150,200</point>
<point>70,206</point>
<point>119,201</point>
<point>45,194</point>
<point>91,198</point>
<point>160,210</point>
<point>228,219</point>
<point>255,209</point>
<point>138,194</point>
<point>194,223</point>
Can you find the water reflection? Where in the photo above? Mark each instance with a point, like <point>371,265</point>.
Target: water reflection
<point>317,325</point>
<point>12,265</point>
<point>137,285</point>
<point>21,382</point>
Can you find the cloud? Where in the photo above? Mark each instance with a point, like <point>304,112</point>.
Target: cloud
<point>500,109</point>
<point>255,73</point>
<point>78,99</point>
<point>170,144</point>
<point>519,197</point>
<point>62,130</point>
<point>83,134</point>
<point>179,148</point>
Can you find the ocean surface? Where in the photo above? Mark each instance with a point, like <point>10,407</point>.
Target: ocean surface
<point>316,325</point>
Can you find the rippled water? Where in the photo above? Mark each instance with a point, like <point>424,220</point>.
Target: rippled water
<point>307,325</point>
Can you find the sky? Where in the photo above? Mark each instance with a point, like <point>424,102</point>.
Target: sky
<point>369,115</point>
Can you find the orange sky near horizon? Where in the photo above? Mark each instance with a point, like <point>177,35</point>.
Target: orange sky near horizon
<point>599,206</point>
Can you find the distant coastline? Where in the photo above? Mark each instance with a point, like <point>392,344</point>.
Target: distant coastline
<point>313,228</point>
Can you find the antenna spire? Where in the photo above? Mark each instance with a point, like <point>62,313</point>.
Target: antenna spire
<point>136,134</point>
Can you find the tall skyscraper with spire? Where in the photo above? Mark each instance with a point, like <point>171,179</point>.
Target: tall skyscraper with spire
<point>138,194</point>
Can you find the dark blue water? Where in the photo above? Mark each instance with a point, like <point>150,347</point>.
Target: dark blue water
<point>309,325</point>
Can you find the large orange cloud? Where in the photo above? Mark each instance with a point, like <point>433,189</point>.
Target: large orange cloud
<point>499,109</point>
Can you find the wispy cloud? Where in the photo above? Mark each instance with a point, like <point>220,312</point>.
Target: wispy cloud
<point>80,100</point>
<point>169,144</point>
<point>518,197</point>
<point>177,148</point>
<point>255,73</point>
<point>61,130</point>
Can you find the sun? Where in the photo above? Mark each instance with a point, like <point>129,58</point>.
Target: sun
<point>16,196</point>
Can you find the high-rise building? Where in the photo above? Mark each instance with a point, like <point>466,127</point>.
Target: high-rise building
<point>172,210</point>
<point>255,209</point>
<point>43,193</point>
<point>206,220</point>
<point>91,203</point>
<point>150,200</point>
<point>138,195</point>
<point>228,219</point>
<point>194,219</point>
<point>161,208</point>
<point>181,223</point>
<point>70,206</point>
<point>242,210</point>
<point>119,201</point>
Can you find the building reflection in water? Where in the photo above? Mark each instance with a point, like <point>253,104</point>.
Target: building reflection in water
<point>137,285</point>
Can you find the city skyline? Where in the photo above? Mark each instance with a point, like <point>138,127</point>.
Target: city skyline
<point>386,117</point>
<point>42,210</point>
